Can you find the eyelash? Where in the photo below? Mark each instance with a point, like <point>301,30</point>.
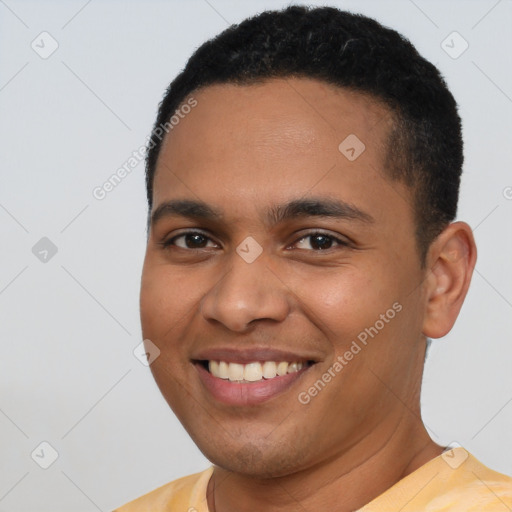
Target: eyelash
<point>170,242</point>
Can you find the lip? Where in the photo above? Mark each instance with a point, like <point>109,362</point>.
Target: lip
<point>250,393</point>
<point>251,355</point>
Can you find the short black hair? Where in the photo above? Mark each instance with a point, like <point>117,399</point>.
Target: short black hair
<point>352,51</point>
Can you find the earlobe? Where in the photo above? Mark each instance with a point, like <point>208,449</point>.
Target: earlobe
<point>451,260</point>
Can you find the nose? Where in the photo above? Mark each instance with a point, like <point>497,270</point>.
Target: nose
<point>244,293</point>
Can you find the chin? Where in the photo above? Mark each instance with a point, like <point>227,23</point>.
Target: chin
<point>254,461</point>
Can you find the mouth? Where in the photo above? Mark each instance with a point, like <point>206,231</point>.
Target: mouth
<point>255,371</point>
<point>240,383</point>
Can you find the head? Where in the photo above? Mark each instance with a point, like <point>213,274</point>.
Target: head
<point>300,211</point>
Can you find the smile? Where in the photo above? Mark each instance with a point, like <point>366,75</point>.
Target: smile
<point>255,371</point>
<point>251,383</point>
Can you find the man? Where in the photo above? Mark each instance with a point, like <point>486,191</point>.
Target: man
<point>302,179</point>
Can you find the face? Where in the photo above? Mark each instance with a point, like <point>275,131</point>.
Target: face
<point>276,242</point>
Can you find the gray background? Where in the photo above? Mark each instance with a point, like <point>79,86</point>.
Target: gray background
<point>69,325</point>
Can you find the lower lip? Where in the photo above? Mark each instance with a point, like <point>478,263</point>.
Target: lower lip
<point>247,393</point>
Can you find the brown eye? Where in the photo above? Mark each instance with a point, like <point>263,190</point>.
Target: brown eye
<point>320,241</point>
<point>189,240</point>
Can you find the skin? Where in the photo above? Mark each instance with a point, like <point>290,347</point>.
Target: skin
<point>244,149</point>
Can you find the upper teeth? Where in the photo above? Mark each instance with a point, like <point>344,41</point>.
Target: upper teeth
<point>252,372</point>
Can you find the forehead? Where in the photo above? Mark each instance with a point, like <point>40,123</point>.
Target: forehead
<point>289,112</point>
<point>276,140</point>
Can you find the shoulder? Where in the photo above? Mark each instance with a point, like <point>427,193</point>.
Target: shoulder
<point>186,493</point>
<point>474,486</point>
<point>455,481</point>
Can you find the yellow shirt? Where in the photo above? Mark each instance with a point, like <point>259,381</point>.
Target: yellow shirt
<point>453,482</point>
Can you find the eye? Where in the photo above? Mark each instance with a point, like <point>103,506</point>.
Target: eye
<point>319,241</point>
<point>316,241</point>
<point>189,240</point>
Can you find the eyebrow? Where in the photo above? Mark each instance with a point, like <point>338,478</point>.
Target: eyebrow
<point>297,208</point>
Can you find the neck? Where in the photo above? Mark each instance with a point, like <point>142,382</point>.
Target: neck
<point>344,483</point>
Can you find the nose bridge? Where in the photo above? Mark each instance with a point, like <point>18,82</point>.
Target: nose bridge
<point>247,291</point>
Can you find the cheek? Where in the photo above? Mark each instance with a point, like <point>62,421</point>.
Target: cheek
<point>165,300</point>
<point>342,301</point>
<point>154,303</point>
<point>165,310</point>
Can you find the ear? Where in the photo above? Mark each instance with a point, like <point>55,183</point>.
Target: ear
<point>450,263</point>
